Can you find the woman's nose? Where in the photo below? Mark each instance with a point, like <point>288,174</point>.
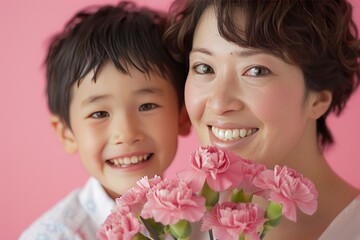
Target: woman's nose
<point>225,96</point>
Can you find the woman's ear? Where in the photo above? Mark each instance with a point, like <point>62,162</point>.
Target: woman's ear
<point>64,134</point>
<point>184,122</point>
<point>321,103</point>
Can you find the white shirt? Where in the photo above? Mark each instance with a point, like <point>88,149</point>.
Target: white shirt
<point>78,216</point>
<point>346,225</point>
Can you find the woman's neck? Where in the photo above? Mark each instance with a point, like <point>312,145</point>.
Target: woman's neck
<point>334,194</point>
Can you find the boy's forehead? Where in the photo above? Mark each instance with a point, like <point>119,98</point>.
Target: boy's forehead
<point>132,80</point>
<point>127,69</point>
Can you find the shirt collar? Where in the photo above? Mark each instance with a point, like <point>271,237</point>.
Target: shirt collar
<point>95,201</point>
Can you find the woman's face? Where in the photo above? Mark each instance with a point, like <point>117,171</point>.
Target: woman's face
<point>246,100</point>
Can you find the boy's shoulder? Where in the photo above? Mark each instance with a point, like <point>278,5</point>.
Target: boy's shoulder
<point>71,218</point>
<point>60,222</point>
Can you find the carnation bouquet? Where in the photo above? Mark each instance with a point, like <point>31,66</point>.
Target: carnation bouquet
<point>219,190</point>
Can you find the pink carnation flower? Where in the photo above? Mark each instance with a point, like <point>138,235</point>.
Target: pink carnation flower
<point>290,189</point>
<point>228,220</point>
<point>218,167</point>
<point>120,225</point>
<point>135,197</point>
<point>249,171</point>
<point>172,200</point>
<point>146,183</point>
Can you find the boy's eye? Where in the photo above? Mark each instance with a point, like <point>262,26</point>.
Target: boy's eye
<point>100,114</point>
<point>147,107</point>
<point>257,71</point>
<point>203,69</point>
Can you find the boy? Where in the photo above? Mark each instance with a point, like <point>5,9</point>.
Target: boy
<point>116,97</point>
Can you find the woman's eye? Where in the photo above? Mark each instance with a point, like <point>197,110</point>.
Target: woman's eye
<point>257,71</point>
<point>100,114</point>
<point>147,107</point>
<point>203,69</point>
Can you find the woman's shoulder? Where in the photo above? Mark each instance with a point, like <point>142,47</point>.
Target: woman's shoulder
<point>346,223</point>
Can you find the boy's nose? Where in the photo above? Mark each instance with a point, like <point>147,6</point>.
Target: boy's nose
<point>127,132</point>
<point>125,138</point>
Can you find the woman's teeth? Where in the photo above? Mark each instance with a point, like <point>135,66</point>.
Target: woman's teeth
<point>231,134</point>
<point>127,161</point>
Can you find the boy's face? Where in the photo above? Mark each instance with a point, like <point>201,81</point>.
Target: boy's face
<point>124,126</point>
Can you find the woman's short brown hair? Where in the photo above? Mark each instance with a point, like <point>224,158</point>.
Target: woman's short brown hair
<point>318,36</point>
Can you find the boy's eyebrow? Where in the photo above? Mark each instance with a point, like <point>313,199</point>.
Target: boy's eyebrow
<point>149,90</point>
<point>240,53</point>
<point>93,99</point>
<point>96,98</point>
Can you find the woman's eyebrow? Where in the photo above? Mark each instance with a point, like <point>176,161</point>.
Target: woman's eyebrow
<point>201,50</point>
<point>240,53</point>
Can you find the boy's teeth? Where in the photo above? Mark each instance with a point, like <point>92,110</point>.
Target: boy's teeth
<point>134,159</point>
<point>126,161</point>
<point>231,134</point>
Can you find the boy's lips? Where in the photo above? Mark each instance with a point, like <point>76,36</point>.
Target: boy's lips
<point>129,160</point>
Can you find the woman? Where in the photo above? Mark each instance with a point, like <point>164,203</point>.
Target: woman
<point>263,77</point>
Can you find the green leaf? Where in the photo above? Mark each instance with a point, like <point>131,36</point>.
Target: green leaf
<point>158,227</point>
<point>140,236</point>
<point>150,229</point>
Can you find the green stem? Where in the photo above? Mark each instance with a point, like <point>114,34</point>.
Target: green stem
<point>211,236</point>
<point>242,237</point>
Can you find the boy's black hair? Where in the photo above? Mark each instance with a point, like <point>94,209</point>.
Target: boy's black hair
<point>126,35</point>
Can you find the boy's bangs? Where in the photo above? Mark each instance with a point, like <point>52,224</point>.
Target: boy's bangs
<point>127,43</point>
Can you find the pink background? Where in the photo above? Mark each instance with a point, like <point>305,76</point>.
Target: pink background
<point>35,172</point>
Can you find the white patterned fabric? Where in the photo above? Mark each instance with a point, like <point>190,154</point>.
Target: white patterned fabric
<point>77,216</point>
<point>346,225</point>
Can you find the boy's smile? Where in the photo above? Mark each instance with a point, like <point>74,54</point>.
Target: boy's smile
<point>128,160</point>
<point>124,126</point>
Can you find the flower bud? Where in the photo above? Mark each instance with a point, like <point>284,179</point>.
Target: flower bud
<point>181,230</point>
<point>211,196</point>
<point>241,196</point>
